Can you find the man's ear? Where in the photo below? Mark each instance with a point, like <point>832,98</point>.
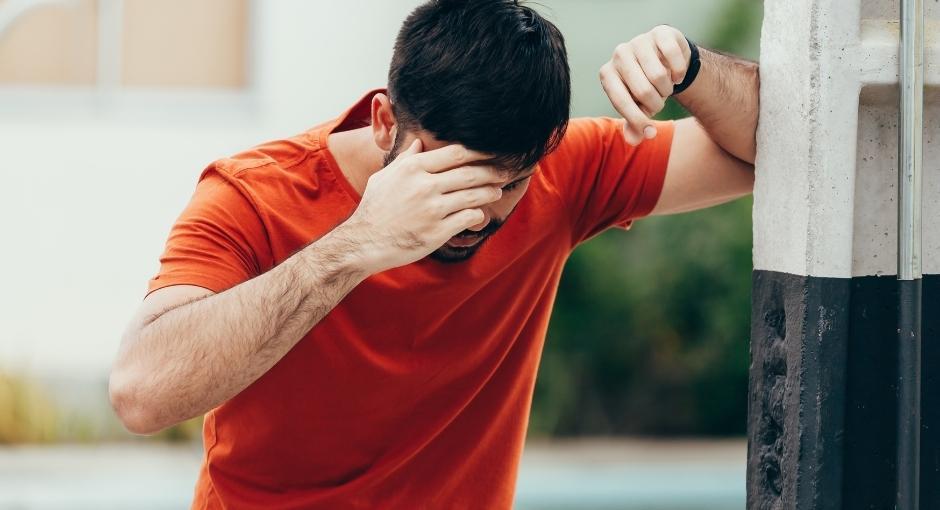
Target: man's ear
<point>384,125</point>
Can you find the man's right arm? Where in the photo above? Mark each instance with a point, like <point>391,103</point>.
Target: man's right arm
<point>183,355</point>
<point>180,362</point>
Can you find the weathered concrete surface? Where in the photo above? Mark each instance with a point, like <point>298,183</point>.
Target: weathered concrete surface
<point>797,392</point>
<point>824,348</point>
<point>825,198</point>
<point>874,245</point>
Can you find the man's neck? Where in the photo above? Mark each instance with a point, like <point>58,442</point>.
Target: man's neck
<point>357,155</point>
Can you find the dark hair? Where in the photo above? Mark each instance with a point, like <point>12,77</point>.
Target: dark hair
<point>490,74</point>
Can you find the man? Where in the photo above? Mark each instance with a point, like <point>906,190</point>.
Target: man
<point>359,310</point>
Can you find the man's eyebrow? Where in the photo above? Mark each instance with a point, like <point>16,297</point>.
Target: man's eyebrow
<point>494,161</point>
<point>520,179</point>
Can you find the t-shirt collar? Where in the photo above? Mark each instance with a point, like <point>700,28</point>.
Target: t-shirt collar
<point>358,115</point>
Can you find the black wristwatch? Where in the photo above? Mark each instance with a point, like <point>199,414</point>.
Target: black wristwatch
<point>695,63</point>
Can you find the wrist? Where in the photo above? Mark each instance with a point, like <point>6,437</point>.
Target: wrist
<point>695,65</point>
<point>352,244</point>
<point>336,255</point>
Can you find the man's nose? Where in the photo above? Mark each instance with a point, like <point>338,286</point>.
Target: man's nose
<point>486,221</point>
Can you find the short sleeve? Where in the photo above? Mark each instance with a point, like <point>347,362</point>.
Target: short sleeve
<point>217,242</point>
<point>604,180</point>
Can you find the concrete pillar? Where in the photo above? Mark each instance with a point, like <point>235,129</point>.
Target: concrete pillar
<point>824,343</point>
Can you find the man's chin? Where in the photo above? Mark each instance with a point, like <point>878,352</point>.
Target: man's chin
<point>452,254</point>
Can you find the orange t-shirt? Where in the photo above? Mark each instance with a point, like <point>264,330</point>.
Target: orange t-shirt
<point>414,392</point>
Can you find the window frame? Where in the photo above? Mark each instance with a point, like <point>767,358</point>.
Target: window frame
<point>109,98</point>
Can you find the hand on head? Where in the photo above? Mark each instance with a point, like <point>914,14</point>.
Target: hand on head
<point>422,199</point>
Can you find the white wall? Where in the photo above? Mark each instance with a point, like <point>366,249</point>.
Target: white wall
<point>89,192</point>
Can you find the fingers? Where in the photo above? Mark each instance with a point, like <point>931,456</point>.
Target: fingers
<point>623,102</point>
<point>675,52</point>
<point>642,74</point>
<point>414,148</point>
<point>647,55</point>
<point>445,158</point>
<point>466,177</point>
<point>462,220</point>
<point>639,85</point>
<point>469,199</point>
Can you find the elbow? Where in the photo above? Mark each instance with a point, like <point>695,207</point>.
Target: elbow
<point>749,181</point>
<point>135,412</point>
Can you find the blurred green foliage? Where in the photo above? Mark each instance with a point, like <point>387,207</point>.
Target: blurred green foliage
<point>650,330</point>
<point>189,430</point>
<point>27,415</point>
<point>30,415</point>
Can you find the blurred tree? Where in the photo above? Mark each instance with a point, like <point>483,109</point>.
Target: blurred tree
<point>189,430</point>
<point>650,330</point>
<point>27,414</point>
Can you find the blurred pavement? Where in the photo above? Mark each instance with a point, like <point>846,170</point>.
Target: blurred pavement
<point>556,475</point>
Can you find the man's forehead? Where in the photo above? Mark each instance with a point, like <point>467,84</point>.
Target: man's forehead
<point>510,174</point>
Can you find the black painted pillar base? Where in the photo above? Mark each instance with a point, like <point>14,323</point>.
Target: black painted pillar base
<point>822,401</point>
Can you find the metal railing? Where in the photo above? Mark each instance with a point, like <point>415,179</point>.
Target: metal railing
<point>910,166</point>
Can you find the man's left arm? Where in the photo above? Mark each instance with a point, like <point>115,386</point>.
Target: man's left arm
<point>713,152</point>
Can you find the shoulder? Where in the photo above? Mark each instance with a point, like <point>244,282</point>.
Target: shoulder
<point>585,130</point>
<point>590,141</point>
<point>274,166</point>
<point>272,155</point>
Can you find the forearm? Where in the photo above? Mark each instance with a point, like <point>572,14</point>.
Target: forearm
<point>192,358</point>
<point>725,100</point>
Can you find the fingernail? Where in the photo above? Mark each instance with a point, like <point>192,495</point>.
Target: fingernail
<point>649,132</point>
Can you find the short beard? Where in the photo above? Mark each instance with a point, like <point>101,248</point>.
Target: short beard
<point>396,148</point>
<point>452,254</point>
